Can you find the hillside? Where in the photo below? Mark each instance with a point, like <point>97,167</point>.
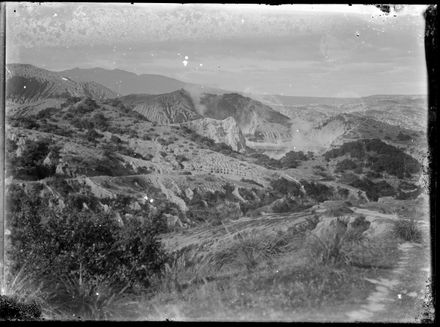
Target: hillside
<point>28,84</point>
<point>257,121</point>
<point>169,108</point>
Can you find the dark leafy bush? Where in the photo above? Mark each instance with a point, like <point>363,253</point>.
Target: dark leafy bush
<point>381,157</point>
<point>86,245</point>
<point>291,159</point>
<point>24,122</point>
<point>345,164</point>
<point>317,191</point>
<point>47,113</point>
<point>181,158</point>
<point>115,139</point>
<point>82,123</point>
<point>29,165</point>
<point>403,137</point>
<point>288,205</point>
<point>85,106</point>
<point>92,135</point>
<point>283,187</point>
<point>373,190</point>
<point>55,129</point>
<point>100,121</point>
<point>70,100</point>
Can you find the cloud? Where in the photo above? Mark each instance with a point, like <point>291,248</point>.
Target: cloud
<point>299,50</point>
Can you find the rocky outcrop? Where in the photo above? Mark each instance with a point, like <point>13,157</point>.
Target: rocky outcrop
<point>237,195</point>
<point>330,232</point>
<point>64,169</point>
<point>189,193</point>
<point>172,221</point>
<point>220,131</point>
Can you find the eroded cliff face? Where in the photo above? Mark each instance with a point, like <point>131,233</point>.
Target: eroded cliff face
<point>258,122</point>
<point>220,131</point>
<point>169,108</point>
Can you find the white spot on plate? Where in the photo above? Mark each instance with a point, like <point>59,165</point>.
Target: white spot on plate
<point>185,62</point>
<point>24,86</point>
<point>201,65</point>
<point>399,296</point>
<point>186,58</point>
<point>151,200</point>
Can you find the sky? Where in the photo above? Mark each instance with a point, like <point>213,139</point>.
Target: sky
<point>299,50</point>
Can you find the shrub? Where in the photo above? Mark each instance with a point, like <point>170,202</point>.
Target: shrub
<point>92,135</point>
<point>403,137</point>
<point>100,121</point>
<point>29,165</point>
<point>132,133</point>
<point>115,139</point>
<point>317,191</point>
<point>289,205</point>
<point>291,158</point>
<point>381,157</point>
<point>181,158</point>
<point>284,187</point>
<point>46,113</point>
<point>24,122</point>
<point>82,123</point>
<point>345,164</point>
<point>83,107</point>
<point>87,246</point>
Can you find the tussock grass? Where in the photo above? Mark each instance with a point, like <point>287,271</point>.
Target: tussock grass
<point>87,300</point>
<point>351,250</point>
<point>408,230</point>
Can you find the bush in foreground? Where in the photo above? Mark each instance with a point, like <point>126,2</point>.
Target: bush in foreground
<point>80,252</point>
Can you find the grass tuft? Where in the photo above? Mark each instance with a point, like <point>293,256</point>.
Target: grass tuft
<point>408,230</point>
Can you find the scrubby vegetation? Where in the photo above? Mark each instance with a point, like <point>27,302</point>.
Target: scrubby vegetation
<point>79,251</point>
<point>345,164</point>
<point>379,157</point>
<point>29,163</point>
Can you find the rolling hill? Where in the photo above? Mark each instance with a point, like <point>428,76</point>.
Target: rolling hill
<point>29,84</point>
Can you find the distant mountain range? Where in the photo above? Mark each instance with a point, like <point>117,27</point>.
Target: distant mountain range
<point>29,84</point>
<point>124,83</point>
